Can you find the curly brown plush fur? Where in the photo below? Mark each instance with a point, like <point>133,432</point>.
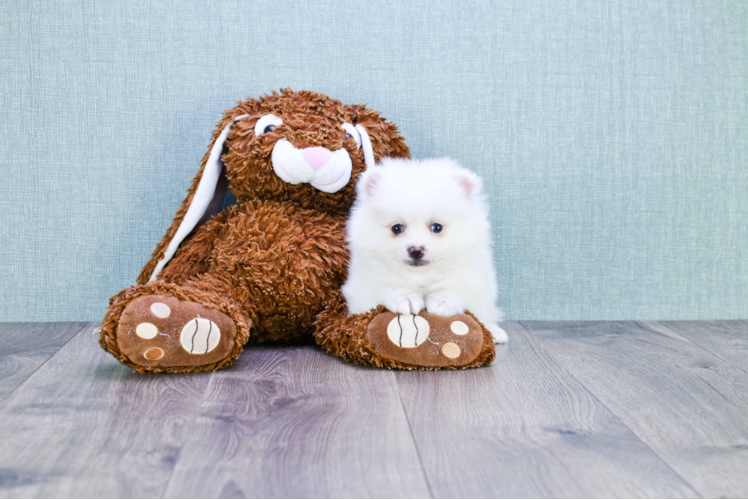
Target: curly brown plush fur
<point>274,263</point>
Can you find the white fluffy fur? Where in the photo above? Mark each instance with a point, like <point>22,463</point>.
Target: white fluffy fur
<point>459,273</point>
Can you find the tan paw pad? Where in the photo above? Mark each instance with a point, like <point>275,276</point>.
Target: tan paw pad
<point>426,340</point>
<point>406,330</point>
<point>153,354</point>
<point>160,310</point>
<point>146,331</point>
<point>459,328</point>
<point>451,350</point>
<point>200,336</point>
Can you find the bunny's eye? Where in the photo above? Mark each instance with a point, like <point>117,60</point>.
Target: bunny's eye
<point>351,133</point>
<point>267,124</point>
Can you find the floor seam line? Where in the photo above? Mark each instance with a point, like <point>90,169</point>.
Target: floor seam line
<point>191,426</point>
<point>592,394</point>
<point>644,325</point>
<point>47,360</point>
<point>730,364</point>
<point>413,437</point>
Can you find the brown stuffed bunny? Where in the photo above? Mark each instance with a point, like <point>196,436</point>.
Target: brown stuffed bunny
<point>269,269</point>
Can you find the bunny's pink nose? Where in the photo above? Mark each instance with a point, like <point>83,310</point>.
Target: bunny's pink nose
<point>317,157</point>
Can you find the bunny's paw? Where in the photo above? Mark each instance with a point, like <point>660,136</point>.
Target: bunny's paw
<point>426,340</point>
<point>160,331</point>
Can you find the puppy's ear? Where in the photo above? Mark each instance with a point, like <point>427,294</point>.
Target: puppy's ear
<point>469,183</point>
<point>383,136</point>
<point>204,197</point>
<point>367,186</point>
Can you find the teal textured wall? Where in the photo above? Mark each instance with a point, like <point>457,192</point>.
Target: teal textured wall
<point>613,136</point>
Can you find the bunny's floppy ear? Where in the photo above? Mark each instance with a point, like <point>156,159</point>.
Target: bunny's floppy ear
<point>379,138</point>
<point>203,201</point>
<point>366,146</point>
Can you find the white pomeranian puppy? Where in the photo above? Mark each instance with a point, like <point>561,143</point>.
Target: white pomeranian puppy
<point>419,237</point>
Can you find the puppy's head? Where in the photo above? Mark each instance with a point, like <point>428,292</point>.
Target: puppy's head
<point>418,214</point>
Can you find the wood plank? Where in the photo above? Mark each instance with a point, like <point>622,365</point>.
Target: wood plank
<point>296,422</point>
<point>680,399</point>
<point>85,426</point>
<point>24,347</point>
<point>717,339</point>
<point>524,427</point>
<point>728,339</point>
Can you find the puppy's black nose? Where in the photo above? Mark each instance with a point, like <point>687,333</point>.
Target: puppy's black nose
<point>416,252</point>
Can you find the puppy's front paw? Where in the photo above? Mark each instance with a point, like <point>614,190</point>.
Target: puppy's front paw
<point>498,333</point>
<point>444,304</point>
<point>404,303</point>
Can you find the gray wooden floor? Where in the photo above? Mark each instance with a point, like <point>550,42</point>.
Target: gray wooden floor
<point>624,409</point>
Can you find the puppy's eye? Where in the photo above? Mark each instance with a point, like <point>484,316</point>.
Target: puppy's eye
<point>397,228</point>
<point>269,128</point>
<point>436,227</point>
<point>347,136</point>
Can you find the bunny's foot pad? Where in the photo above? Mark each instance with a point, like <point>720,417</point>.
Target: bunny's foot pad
<point>160,331</point>
<point>426,340</point>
